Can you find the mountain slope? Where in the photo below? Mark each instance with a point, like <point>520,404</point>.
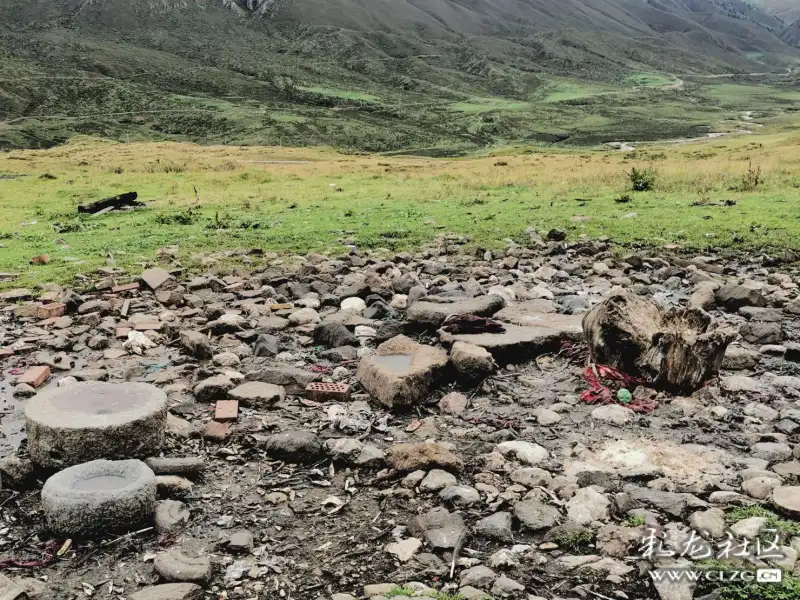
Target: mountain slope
<point>372,74</point>
<point>788,10</point>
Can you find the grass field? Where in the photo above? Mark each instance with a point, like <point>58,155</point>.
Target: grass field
<point>319,199</point>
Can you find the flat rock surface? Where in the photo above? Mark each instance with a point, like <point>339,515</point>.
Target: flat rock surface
<point>433,313</point>
<point>90,420</point>
<point>402,371</point>
<point>517,340</point>
<point>523,314</point>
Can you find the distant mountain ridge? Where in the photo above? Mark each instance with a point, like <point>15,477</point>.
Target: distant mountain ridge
<point>788,10</point>
<point>731,25</point>
<point>69,59</point>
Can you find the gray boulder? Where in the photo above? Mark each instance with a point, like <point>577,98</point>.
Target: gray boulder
<point>98,497</point>
<point>294,446</point>
<point>90,420</point>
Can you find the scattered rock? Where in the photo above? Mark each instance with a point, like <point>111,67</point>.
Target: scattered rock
<point>710,522</point>
<point>460,495</point>
<point>401,372</point>
<point>155,278</point>
<point>175,566</point>
<point>171,516</point>
<point>257,394</point>
<point>453,403</point>
<point>213,388</point>
<point>613,413</point>
<point>760,487</point>
<point>99,496</point>
<point>505,586</point>
<point>169,591</point>
<point>176,466</point>
<point>412,457</point>
<point>495,527</point>
<point>534,515</point>
<point>404,550</point>
<point>9,590</point>
<point>735,296</point>
<point>438,527</point>
<point>479,576</point>
<point>787,501</point>
<point>240,542</point>
<point>294,446</point>
<point>90,420</point>
<point>472,361</point>
<point>587,506</point>
<point>526,452</point>
<point>437,480</point>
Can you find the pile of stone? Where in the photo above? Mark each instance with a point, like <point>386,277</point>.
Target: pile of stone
<point>316,428</point>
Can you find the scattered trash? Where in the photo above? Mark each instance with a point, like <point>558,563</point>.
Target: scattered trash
<point>466,323</point>
<point>48,556</point>
<point>600,393</point>
<point>138,342</point>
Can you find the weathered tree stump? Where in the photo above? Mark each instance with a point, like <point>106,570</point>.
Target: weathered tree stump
<point>676,350</point>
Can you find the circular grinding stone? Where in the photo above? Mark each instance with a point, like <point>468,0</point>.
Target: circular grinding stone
<point>98,497</point>
<point>86,421</point>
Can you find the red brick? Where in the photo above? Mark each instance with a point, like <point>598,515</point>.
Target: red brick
<point>127,287</point>
<point>216,431</point>
<point>328,392</point>
<point>226,410</point>
<point>122,332</point>
<point>35,376</point>
<point>50,311</point>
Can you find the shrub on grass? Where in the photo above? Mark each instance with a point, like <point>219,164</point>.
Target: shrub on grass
<point>642,180</point>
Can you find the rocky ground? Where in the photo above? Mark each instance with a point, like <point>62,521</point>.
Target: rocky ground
<point>450,464</point>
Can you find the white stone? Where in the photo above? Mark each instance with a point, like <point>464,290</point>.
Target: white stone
<point>526,452</point>
<point>354,305</point>
<point>613,413</point>
<point>404,550</point>
<point>588,505</point>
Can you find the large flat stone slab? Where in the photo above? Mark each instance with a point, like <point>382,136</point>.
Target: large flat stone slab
<point>402,371</point>
<point>433,311</point>
<point>520,342</point>
<point>524,315</point>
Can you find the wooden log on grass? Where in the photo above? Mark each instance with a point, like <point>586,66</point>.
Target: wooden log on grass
<point>123,200</point>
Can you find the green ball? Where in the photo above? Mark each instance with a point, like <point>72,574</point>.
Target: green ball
<point>624,396</point>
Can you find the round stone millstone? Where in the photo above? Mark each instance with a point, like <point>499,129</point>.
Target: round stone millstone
<point>91,420</point>
<point>99,496</point>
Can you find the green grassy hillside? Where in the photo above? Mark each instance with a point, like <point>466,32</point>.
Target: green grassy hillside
<point>384,75</point>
